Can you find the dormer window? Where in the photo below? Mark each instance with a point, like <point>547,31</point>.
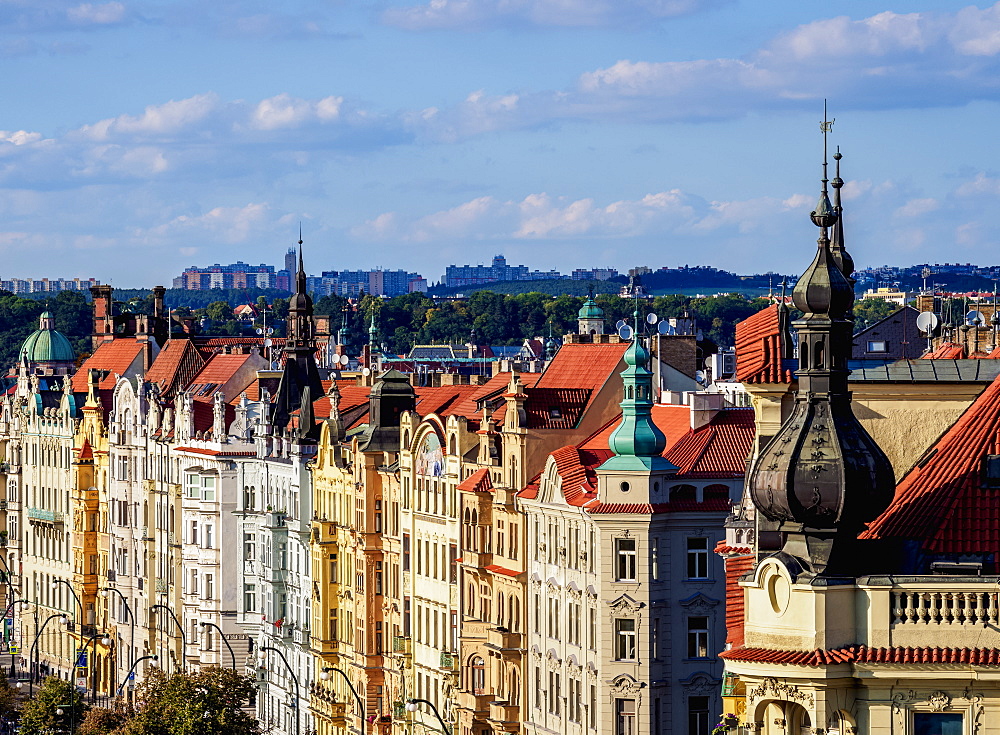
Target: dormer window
<point>991,470</point>
<point>555,413</point>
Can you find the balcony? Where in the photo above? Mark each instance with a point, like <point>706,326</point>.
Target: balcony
<point>503,639</point>
<point>477,700</point>
<point>449,661</point>
<point>300,636</point>
<point>46,516</point>
<point>402,644</point>
<point>476,559</point>
<point>161,586</point>
<point>506,715</point>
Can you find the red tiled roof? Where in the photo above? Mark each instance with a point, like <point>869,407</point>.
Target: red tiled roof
<point>673,420</point>
<point>947,351</point>
<point>497,569</point>
<point>736,567</point>
<point>86,451</point>
<point>942,501</point>
<point>718,449</point>
<point>582,365</point>
<point>219,369</point>
<point>556,408</point>
<point>115,357</point>
<point>174,367</point>
<point>479,481</point>
<point>758,349</point>
<point>866,655</point>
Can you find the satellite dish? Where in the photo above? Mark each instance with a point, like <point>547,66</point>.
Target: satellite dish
<point>975,318</point>
<point>620,323</point>
<point>260,331</point>
<point>700,336</point>
<point>366,372</point>
<point>665,328</point>
<point>625,332</point>
<point>651,318</point>
<point>344,359</point>
<point>268,342</point>
<point>701,378</point>
<point>927,321</point>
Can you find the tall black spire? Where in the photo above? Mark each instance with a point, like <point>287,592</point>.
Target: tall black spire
<point>840,255</point>
<point>300,353</point>
<point>822,477</point>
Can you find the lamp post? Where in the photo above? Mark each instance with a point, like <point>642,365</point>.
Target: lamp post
<point>138,661</point>
<point>106,642</point>
<point>180,628</point>
<point>325,675</point>
<point>33,654</point>
<point>6,612</point>
<point>222,637</point>
<point>411,706</point>
<point>55,585</point>
<point>105,592</point>
<point>291,673</point>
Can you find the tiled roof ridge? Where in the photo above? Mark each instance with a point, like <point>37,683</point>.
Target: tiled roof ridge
<point>946,351</point>
<point>758,348</point>
<point>941,500</point>
<point>478,481</point>
<point>862,654</point>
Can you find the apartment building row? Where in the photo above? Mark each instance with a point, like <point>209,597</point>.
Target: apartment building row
<point>529,554</point>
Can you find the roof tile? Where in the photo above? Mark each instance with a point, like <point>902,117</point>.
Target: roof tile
<point>758,349</point>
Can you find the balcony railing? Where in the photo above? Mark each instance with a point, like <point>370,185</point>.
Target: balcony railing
<point>161,586</point>
<point>49,516</point>
<point>400,644</point>
<point>449,660</point>
<point>925,607</point>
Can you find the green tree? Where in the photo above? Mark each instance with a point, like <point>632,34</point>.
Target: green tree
<point>869,311</point>
<point>40,714</point>
<point>209,702</point>
<point>219,311</point>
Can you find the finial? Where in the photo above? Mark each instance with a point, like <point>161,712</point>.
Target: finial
<point>784,287</point>
<point>300,234</point>
<point>824,215</point>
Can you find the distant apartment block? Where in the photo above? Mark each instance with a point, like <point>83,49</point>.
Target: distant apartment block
<point>29,285</point>
<point>474,275</point>
<point>237,275</point>
<point>594,274</point>
<point>376,282</point>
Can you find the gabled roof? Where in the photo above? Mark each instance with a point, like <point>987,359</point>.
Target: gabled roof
<point>479,481</point>
<point>175,366</point>
<point>758,349</point>
<point>583,365</point>
<point>218,370</point>
<point>943,502</point>
<point>114,357</point>
<point>717,450</point>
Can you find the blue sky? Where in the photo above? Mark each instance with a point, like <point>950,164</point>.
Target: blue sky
<point>137,138</point>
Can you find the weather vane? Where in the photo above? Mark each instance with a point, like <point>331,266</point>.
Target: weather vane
<point>825,126</point>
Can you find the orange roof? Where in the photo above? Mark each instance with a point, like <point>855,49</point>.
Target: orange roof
<point>758,349</point>
<point>864,654</point>
<point>219,369</point>
<point>718,449</point>
<point>947,351</point>
<point>478,482</point>
<point>672,419</point>
<point>581,365</point>
<point>943,501</point>
<point>115,357</point>
<point>174,367</point>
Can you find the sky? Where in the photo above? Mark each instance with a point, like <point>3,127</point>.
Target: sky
<point>141,137</point>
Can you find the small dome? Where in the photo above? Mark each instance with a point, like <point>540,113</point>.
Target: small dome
<point>45,344</point>
<point>590,310</point>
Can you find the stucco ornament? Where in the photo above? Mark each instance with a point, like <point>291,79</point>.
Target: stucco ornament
<point>626,685</point>
<point>771,688</point>
<point>939,701</point>
<point>624,604</point>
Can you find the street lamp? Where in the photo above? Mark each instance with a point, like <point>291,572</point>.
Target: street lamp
<point>180,628</point>
<point>154,657</point>
<point>106,642</point>
<point>411,706</point>
<point>55,584</point>
<point>291,672</point>
<point>222,637</point>
<point>33,654</point>
<point>105,592</point>
<point>325,676</point>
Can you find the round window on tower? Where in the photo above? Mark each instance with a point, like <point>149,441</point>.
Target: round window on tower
<point>624,487</point>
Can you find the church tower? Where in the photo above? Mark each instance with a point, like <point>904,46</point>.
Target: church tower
<point>822,476</point>
<point>591,316</point>
<point>300,370</point>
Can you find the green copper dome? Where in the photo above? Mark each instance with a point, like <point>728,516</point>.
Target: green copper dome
<point>590,310</point>
<point>45,344</point>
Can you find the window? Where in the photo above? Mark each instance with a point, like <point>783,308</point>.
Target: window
<point>209,586</point>
<point>698,716</point>
<point>876,346</point>
<point>625,717</point>
<point>625,553</point>
<point>208,488</point>
<point>249,547</point>
<point>192,485</point>
<point>209,536</point>
<point>593,706</point>
<point>937,723</point>
<point>697,558</point>
<point>573,701</point>
<point>250,598</point>
<point>406,552</point>
<point>555,695</point>
<point>697,636</point>
<point>478,675</point>
<point>625,639</point>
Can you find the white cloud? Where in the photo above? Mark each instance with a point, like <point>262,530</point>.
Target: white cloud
<point>481,14</point>
<point>221,224</point>
<point>96,14</point>
<point>166,119</point>
<point>285,111</point>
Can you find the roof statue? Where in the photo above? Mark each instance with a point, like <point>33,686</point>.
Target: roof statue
<point>822,477</point>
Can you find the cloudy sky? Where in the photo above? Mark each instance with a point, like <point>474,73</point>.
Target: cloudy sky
<point>138,137</point>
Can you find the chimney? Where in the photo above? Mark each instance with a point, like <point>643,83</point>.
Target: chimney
<point>104,328</point>
<point>704,408</point>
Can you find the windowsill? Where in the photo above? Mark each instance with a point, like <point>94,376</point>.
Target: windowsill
<point>699,580</point>
<point>700,659</point>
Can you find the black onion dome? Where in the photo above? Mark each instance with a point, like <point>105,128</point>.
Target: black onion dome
<point>823,288</point>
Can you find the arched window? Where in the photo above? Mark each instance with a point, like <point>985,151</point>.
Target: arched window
<point>716,492</point>
<point>478,675</point>
<point>484,611</point>
<point>453,445</point>
<point>474,535</point>
<point>472,600</point>
<point>406,439</point>
<point>500,608</point>
<point>515,615</point>
<point>683,492</point>
<point>513,688</point>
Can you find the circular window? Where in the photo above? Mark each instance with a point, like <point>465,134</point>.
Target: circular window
<point>624,487</point>
<point>656,487</point>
